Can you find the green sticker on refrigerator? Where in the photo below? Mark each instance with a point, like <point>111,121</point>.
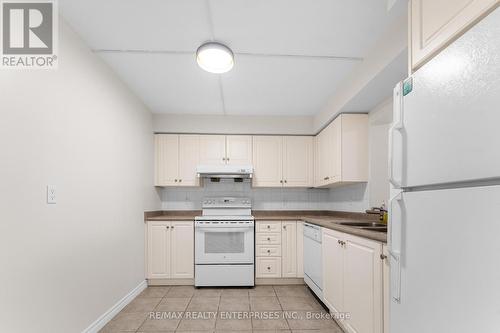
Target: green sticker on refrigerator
<point>407,86</point>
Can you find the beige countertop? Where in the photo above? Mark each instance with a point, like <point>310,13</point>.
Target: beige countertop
<point>327,219</point>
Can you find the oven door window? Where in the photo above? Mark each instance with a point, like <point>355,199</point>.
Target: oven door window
<point>224,242</point>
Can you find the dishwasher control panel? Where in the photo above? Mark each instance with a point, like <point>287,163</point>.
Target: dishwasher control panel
<point>312,231</point>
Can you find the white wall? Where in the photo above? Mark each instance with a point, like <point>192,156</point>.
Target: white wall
<point>80,129</point>
<point>262,198</point>
<point>359,197</point>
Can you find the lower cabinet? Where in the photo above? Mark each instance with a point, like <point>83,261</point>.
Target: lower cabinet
<point>352,278</point>
<point>170,249</point>
<point>387,286</point>
<point>279,249</point>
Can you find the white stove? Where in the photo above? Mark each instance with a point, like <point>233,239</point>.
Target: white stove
<point>224,243</point>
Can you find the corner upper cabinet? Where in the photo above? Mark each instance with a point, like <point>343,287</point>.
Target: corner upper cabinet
<point>176,158</point>
<point>342,151</point>
<point>436,23</point>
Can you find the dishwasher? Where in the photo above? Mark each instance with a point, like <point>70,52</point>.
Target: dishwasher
<point>313,273</point>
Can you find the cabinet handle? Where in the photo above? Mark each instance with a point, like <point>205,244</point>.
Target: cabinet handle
<point>284,227</point>
<point>180,180</point>
<point>268,226</point>
<point>172,227</point>
<point>339,241</point>
<point>175,180</point>
<point>285,181</point>
<point>326,178</point>
<point>268,238</point>
<point>168,227</point>
<point>383,256</point>
<point>268,251</point>
<point>268,268</point>
<point>281,181</point>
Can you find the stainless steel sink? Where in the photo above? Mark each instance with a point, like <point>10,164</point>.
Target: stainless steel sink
<point>379,229</point>
<point>363,224</point>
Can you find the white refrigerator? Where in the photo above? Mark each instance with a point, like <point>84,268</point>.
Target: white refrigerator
<point>444,232</point>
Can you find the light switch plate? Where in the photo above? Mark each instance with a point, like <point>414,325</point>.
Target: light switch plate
<point>51,194</point>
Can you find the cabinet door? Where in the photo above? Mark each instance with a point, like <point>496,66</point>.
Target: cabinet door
<point>158,250</point>
<point>212,149</point>
<point>330,152</point>
<point>335,138</point>
<point>189,157</point>
<point>386,287</point>
<point>436,23</point>
<point>323,158</point>
<point>351,163</point>
<point>363,284</point>
<point>300,249</point>
<point>267,161</point>
<point>333,270</point>
<point>298,161</point>
<point>289,249</point>
<point>182,240</point>
<point>166,159</point>
<point>317,176</point>
<point>239,149</point>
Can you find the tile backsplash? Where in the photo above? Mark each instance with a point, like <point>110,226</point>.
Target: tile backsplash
<point>350,198</point>
<point>262,198</point>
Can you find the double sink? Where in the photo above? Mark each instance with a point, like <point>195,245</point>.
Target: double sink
<point>372,226</point>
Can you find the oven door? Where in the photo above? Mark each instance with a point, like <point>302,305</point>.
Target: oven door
<point>224,244</point>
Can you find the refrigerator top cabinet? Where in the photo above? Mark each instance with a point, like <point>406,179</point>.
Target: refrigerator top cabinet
<point>447,114</point>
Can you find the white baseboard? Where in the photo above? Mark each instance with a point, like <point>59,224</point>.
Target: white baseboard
<point>113,311</point>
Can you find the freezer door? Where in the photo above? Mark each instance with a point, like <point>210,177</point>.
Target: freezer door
<point>448,242</point>
<point>447,124</point>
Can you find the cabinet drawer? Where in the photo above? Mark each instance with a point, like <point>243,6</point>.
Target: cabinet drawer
<point>268,267</point>
<point>268,226</point>
<point>268,250</point>
<point>268,238</point>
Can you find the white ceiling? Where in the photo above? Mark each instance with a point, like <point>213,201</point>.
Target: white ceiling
<point>290,55</point>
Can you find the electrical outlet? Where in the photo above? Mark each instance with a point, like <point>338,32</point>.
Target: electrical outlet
<point>51,194</point>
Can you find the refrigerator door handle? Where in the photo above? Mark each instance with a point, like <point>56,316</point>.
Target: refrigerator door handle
<point>397,126</point>
<point>395,255</point>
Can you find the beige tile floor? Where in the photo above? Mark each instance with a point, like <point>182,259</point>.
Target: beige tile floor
<point>288,306</point>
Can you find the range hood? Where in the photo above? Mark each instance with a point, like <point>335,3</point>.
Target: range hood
<point>224,171</point>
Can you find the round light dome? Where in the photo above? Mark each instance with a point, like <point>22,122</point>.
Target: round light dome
<point>215,57</point>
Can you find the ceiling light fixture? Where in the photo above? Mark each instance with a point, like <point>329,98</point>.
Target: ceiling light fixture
<point>215,57</point>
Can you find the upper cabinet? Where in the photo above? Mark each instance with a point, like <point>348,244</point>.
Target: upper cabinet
<point>283,161</point>
<point>176,158</point>
<point>436,23</point>
<point>239,149</point>
<point>212,149</point>
<point>342,151</point>
<point>268,161</point>
<point>338,155</point>
<point>225,149</point>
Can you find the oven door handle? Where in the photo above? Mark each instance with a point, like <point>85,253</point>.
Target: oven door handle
<point>224,229</point>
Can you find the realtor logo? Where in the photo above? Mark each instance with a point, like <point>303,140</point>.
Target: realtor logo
<point>28,34</point>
